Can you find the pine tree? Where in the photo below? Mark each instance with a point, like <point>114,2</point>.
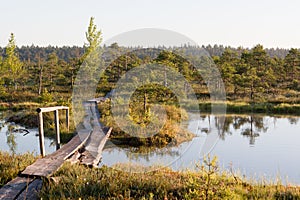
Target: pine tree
<point>92,56</point>
<point>91,66</point>
<point>227,64</point>
<point>292,68</point>
<point>256,73</point>
<point>2,88</point>
<point>12,66</point>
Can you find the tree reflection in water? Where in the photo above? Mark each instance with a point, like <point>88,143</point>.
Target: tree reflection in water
<point>250,126</point>
<point>293,120</point>
<point>11,139</point>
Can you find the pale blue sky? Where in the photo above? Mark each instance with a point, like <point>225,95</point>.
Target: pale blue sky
<point>228,22</point>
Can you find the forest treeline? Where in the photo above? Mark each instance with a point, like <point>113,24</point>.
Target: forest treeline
<point>66,53</point>
<point>45,74</point>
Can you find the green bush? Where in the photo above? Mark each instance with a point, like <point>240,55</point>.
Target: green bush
<point>46,97</point>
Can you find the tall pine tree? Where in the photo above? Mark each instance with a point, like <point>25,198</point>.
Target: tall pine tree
<point>12,66</point>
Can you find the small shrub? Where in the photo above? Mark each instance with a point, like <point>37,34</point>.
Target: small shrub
<point>46,97</point>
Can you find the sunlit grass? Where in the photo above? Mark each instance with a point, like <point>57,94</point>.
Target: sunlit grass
<point>246,107</point>
<point>12,164</point>
<point>208,182</point>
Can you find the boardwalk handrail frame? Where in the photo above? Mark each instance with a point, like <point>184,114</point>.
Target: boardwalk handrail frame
<point>54,109</point>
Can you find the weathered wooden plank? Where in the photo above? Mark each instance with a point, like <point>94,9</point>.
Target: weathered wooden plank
<point>87,119</point>
<point>90,134</point>
<point>91,154</point>
<point>73,145</point>
<point>32,191</point>
<point>109,145</point>
<point>74,158</point>
<point>48,165</point>
<point>49,109</point>
<point>13,188</point>
<point>101,146</point>
<point>97,100</point>
<point>87,158</point>
<point>43,167</point>
<point>96,141</point>
<point>93,149</point>
<point>95,114</point>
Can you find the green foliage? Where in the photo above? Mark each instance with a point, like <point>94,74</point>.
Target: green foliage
<point>90,60</point>
<point>228,64</point>
<point>11,165</point>
<point>244,107</point>
<point>292,69</point>
<point>12,67</point>
<point>27,118</point>
<point>255,75</point>
<point>93,37</point>
<point>106,183</point>
<point>92,48</point>
<point>46,97</point>
<point>2,73</point>
<point>169,133</point>
<point>208,183</point>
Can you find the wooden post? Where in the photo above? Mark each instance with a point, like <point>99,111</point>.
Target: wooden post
<point>41,133</point>
<point>56,120</point>
<point>67,119</point>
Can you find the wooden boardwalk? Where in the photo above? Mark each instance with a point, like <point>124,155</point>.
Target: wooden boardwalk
<point>45,167</point>
<point>85,147</point>
<point>14,188</point>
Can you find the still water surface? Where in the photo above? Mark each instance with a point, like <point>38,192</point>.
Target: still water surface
<point>17,139</point>
<point>254,145</point>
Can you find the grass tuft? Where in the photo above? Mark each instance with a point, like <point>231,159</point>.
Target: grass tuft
<point>12,164</point>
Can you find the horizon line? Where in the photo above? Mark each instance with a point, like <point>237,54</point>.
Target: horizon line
<point>141,46</point>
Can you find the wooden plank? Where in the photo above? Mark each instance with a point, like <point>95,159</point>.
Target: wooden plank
<point>101,146</point>
<point>93,150</point>
<point>32,191</point>
<point>46,166</point>
<point>49,109</point>
<point>96,115</point>
<point>74,158</point>
<point>97,100</point>
<point>87,158</point>
<point>13,188</point>
<point>90,122</point>
<point>109,145</point>
<point>93,147</point>
<point>87,119</point>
